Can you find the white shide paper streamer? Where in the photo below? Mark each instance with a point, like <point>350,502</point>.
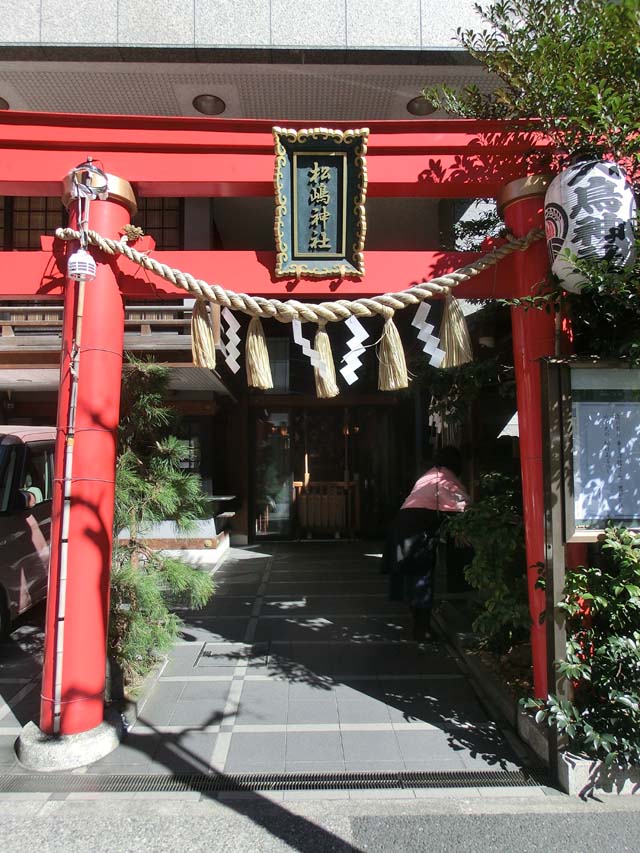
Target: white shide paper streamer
<point>230,346</point>
<point>352,359</point>
<point>305,345</point>
<point>425,334</point>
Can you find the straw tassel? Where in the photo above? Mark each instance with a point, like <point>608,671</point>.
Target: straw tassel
<point>203,345</point>
<point>454,335</point>
<point>392,373</point>
<point>258,367</point>
<point>326,385</point>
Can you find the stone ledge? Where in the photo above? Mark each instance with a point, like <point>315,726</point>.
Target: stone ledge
<point>586,777</point>
<point>129,701</point>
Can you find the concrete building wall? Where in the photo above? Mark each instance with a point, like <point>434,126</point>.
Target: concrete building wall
<point>404,25</point>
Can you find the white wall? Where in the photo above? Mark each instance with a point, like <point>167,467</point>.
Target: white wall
<point>297,24</point>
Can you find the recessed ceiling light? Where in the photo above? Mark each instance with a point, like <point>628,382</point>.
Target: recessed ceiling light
<point>420,106</point>
<point>4,105</point>
<point>209,105</point>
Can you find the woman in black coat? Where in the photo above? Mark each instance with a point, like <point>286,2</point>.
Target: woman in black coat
<point>412,543</point>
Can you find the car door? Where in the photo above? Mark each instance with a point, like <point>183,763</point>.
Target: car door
<point>25,524</point>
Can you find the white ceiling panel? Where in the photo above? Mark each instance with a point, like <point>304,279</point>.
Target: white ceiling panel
<point>276,92</point>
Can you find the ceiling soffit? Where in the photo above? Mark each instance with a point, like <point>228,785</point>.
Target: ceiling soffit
<point>262,91</point>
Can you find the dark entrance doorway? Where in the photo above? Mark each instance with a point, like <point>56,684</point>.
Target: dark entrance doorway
<point>325,472</point>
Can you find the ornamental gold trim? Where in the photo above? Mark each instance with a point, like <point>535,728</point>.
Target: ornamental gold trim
<point>353,266</point>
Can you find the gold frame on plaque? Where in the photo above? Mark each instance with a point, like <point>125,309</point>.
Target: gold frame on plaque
<point>353,264</point>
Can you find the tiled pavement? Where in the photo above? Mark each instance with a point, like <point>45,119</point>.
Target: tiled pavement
<point>298,663</point>
<point>20,674</point>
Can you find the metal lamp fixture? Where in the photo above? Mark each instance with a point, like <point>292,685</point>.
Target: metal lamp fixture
<point>88,183</point>
<point>81,266</point>
<point>209,105</point>
<point>420,106</point>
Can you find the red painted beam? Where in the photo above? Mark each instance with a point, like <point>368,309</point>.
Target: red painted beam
<point>29,275</point>
<point>178,132</point>
<point>454,158</point>
<point>223,174</point>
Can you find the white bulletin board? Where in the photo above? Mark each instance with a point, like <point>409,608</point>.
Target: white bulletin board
<point>605,430</point>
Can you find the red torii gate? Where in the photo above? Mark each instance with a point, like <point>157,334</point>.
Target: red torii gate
<point>187,157</point>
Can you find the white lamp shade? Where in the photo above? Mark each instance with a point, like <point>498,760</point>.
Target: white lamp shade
<point>81,266</point>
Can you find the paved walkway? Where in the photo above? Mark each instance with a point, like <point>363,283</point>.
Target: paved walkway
<point>298,663</point>
<point>20,681</point>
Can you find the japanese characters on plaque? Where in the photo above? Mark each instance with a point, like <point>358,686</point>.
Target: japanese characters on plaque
<point>589,211</point>
<point>320,190</point>
<point>321,216</point>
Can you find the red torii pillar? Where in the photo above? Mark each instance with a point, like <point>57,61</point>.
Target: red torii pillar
<point>73,680</point>
<point>522,206</point>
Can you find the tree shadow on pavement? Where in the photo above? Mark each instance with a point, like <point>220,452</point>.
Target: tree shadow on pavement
<point>296,831</point>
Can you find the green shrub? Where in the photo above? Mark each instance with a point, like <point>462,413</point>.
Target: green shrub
<point>151,487</point>
<point>493,527</point>
<point>573,64</point>
<point>601,604</point>
<point>141,626</point>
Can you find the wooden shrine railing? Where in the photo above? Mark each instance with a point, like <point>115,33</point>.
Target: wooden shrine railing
<point>329,508</point>
<point>161,327</point>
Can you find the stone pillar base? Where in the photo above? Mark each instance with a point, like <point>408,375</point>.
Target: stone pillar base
<point>39,751</point>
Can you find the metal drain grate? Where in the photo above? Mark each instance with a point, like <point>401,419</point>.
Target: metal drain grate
<point>113,783</point>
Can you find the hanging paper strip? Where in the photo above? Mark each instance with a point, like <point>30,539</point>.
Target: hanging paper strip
<point>230,345</point>
<point>352,359</point>
<point>314,357</point>
<point>425,334</point>
<point>436,423</point>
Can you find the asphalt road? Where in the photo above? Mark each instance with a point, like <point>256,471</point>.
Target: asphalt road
<point>132,824</point>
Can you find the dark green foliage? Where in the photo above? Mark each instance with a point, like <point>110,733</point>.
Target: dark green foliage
<point>610,300</point>
<point>601,605</point>
<point>156,488</point>
<point>493,527</point>
<point>141,626</point>
<point>454,389</point>
<point>574,64</point>
<point>150,487</point>
<point>144,412</point>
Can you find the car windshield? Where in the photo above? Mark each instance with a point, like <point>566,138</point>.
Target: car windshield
<point>8,457</point>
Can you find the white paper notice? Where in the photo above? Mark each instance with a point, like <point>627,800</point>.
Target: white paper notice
<point>606,461</point>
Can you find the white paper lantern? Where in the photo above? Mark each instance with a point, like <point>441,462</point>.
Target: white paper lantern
<point>589,210</point>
